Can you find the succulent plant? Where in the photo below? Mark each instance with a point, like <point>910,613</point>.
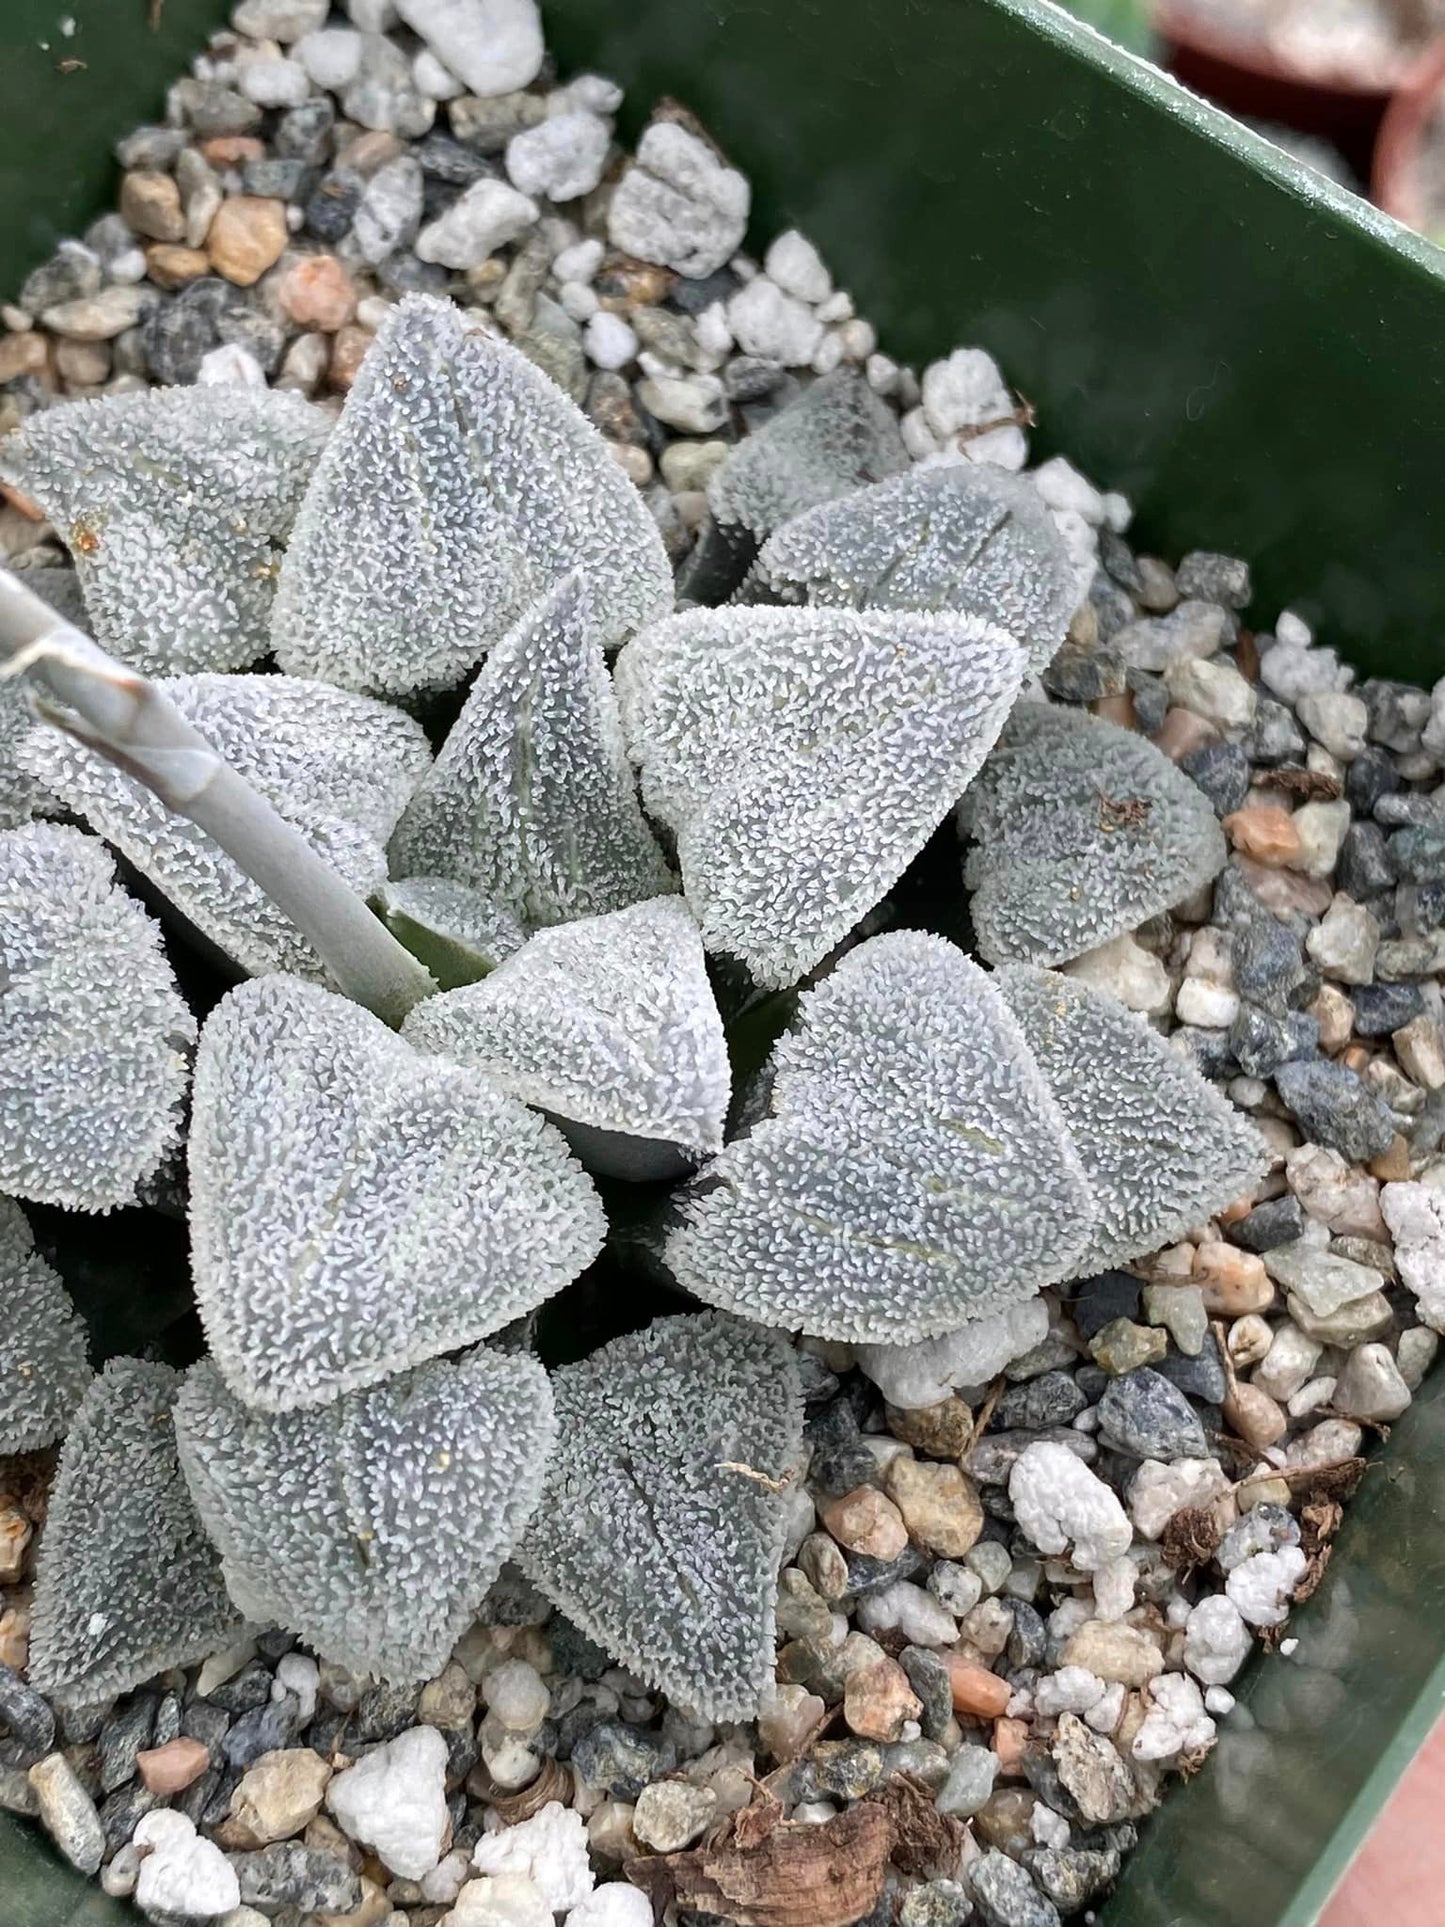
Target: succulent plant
<point>661,1522</point>
<point>531,801</point>
<point>460,487</point>
<point>337,766</point>
<point>455,931</point>
<point>358,1208</point>
<point>128,1583</point>
<point>1081,832</point>
<point>802,757</point>
<point>93,1032</point>
<point>175,504</point>
<point>961,536</point>
<point>373,1526</point>
<point>913,1171</point>
<point>44,1347</point>
<point>1161,1148</point>
<point>609,1026</point>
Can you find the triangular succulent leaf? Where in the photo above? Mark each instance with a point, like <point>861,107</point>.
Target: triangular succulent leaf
<point>358,1208</point>
<point>454,930</point>
<point>661,1524</point>
<point>44,1348</point>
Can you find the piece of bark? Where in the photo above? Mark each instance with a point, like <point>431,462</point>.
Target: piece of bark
<point>760,1870</point>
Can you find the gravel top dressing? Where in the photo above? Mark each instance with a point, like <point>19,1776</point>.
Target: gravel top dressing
<point>807,1097</point>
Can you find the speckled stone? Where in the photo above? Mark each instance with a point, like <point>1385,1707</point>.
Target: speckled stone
<point>1142,1413</point>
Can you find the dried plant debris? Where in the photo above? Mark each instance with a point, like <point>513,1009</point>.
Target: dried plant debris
<point>128,1584</point>
<point>44,1347</point>
<point>777,1872</point>
<point>834,438</point>
<point>1161,1148</point>
<point>175,504</point>
<point>338,767</point>
<point>373,1526</point>
<point>1081,832</point>
<point>93,1032</point>
<point>608,1023</point>
<point>532,800</point>
<point>960,536</point>
<point>460,486</point>
<point>357,1208</point>
<point>802,757</point>
<point>455,931</point>
<point>661,1524</point>
<point>914,1172</point>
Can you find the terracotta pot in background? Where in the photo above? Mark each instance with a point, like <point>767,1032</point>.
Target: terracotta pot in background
<point>1395,180</point>
<point>1249,80</point>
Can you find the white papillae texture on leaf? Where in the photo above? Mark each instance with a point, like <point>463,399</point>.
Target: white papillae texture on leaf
<point>835,437</point>
<point>175,503</point>
<point>609,1021</point>
<point>965,536</point>
<point>357,1208</point>
<point>44,1349</point>
<point>913,1173</point>
<point>128,1583</point>
<point>803,757</point>
<point>21,796</point>
<point>532,800</point>
<point>1161,1148</point>
<point>1082,831</point>
<point>454,929</point>
<point>459,488</point>
<point>92,1028</point>
<point>338,767</point>
<point>654,1532</point>
<point>373,1526</point>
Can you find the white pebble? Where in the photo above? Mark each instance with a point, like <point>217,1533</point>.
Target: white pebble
<point>1158,1491</point>
<point>964,391</point>
<point>882,376</point>
<point>1216,1640</point>
<point>1063,487</point>
<point>918,1615</point>
<point>918,438</point>
<point>182,1874</point>
<point>516,1695</point>
<point>830,353</point>
<point>577,299</point>
<point>579,262</point>
<point>487,216</point>
<point>617,1904</point>
<point>772,325</point>
<point>550,1849</point>
<point>504,1900</point>
<point>230,366</point>
<point>593,92</point>
<point>911,1376</point>
<point>394,1801</point>
<point>559,159</point>
<point>129,267</point>
<point>331,57</point>
<point>1050,1829</point>
<point>608,341</point>
<point>797,267</point>
<point>1260,1587</point>
<point>1176,1721</point>
<point>1210,1005</point>
<point>1072,1689</point>
<point>274,83</point>
<point>1114,1585</point>
<point>678,204</point>
<point>1219,1701</point>
<point>1106,1712</point>
<point>1058,1501</point>
<point>433,79</point>
<point>495,46</point>
<point>299,1675</point>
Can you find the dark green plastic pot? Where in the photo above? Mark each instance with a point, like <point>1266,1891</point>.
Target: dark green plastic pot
<point>1256,358</point>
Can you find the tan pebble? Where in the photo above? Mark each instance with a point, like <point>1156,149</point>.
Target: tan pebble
<point>1118,710</point>
<point>624,284</point>
<point>866,1521</point>
<point>976,1691</point>
<point>232,150</point>
<point>1264,831</point>
<point>1004,1820</point>
<point>16,1532</point>
<point>789,1720</point>
<point>1335,1015</point>
<point>1113,1651</point>
<point>317,292</point>
<point>824,1566</point>
<point>635,463</point>
<point>173,1767</point>
<point>1393,1165</point>
<point>174,267</point>
<point>1254,1416</point>
<point>371,1910</point>
<point>1283,890</point>
<point>609,1828</point>
<point>15,1637</point>
<point>1241,1208</point>
<point>1248,1339</point>
<point>23,354</point>
<point>278,1795</point>
<point>938,1431</point>
<point>487,277</point>
<point>1010,1738</point>
<point>82,364</point>
<point>324,1834</point>
<point>1417,1045</point>
<point>1233,1282</point>
<point>349,346</point>
<point>940,1505</point>
<point>150,205</point>
<point>248,236</point>
<point>1356,1059</point>
<point>371,151</point>
<point>877,1700</point>
<point>1182,732</point>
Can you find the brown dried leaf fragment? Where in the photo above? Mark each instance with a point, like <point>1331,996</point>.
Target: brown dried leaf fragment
<point>1303,785</point>
<point>926,1843</point>
<point>1191,1538</point>
<point>794,1875</point>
